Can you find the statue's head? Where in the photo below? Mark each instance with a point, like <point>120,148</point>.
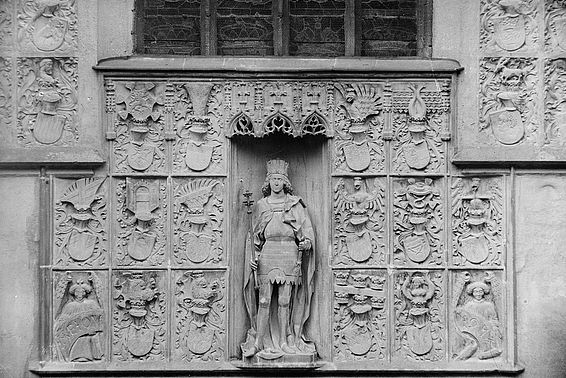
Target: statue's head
<point>46,66</point>
<point>477,289</point>
<point>276,175</point>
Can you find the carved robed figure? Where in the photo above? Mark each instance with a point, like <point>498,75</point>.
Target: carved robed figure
<point>279,271</point>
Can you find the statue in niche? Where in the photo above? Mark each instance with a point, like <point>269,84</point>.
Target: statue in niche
<point>357,210</point>
<point>197,221</point>
<point>419,290</point>
<point>142,199</point>
<point>79,322</point>
<point>48,127</point>
<point>360,102</point>
<point>140,151</point>
<point>136,293</point>
<point>476,319</point>
<point>419,227</point>
<point>279,272</point>
<point>201,325</point>
<point>84,231</point>
<point>359,325</point>
<point>416,148</point>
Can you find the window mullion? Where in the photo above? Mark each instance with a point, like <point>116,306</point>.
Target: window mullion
<point>208,27</point>
<point>351,28</point>
<point>280,27</point>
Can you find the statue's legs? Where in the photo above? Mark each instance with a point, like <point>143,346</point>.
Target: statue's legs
<point>284,300</point>
<point>265,291</point>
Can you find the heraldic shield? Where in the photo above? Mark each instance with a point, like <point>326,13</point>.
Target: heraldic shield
<point>139,340</point>
<point>507,126</point>
<point>358,337</point>
<point>198,156</point>
<point>49,33</point>
<point>475,248</point>
<point>509,31</point>
<point>48,128</point>
<point>357,156</point>
<point>417,247</point>
<point>140,245</point>
<point>417,156</point>
<point>197,246</point>
<point>420,339</point>
<point>199,338</point>
<point>140,158</point>
<point>359,246</point>
<point>81,245</point>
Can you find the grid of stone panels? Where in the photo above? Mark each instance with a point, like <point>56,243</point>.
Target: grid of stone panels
<point>419,251</point>
<point>139,269</point>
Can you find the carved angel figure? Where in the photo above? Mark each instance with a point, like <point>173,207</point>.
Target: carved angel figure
<point>79,320</point>
<point>356,211</point>
<point>477,321</point>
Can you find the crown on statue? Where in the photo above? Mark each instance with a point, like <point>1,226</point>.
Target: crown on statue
<point>277,166</point>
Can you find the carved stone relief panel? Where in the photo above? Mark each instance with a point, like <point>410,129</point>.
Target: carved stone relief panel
<point>359,145</point>
<point>419,301</point>
<point>140,127</point>
<point>418,215</point>
<point>200,316</point>
<point>198,217</point>
<point>555,104</point>
<point>360,315</point>
<point>6,25</point>
<point>141,220</point>
<point>47,27</point>
<point>508,99</point>
<point>477,315</point>
<point>555,26</point>
<point>477,221</point>
<point>139,320</point>
<point>197,115</point>
<point>289,107</point>
<point>359,219</point>
<point>80,217</point>
<point>509,26</point>
<point>79,316</point>
<point>47,101</point>
<point>6,96</point>
<point>420,126</point>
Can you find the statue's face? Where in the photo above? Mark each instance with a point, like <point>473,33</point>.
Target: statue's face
<point>48,66</point>
<point>357,183</point>
<point>276,183</point>
<point>478,293</point>
<point>79,294</point>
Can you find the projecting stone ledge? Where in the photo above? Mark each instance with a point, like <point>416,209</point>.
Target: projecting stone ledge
<point>276,65</point>
<point>54,157</point>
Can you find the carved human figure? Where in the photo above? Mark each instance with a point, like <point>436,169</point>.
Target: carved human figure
<point>419,290</point>
<point>360,207</point>
<point>49,124</point>
<point>79,323</point>
<point>281,256</point>
<point>478,323</point>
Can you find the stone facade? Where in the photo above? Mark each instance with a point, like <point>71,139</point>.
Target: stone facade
<point>432,185</point>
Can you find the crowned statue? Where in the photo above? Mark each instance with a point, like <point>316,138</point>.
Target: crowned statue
<point>279,272</point>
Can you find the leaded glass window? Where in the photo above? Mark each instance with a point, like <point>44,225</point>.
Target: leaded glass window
<point>284,27</point>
